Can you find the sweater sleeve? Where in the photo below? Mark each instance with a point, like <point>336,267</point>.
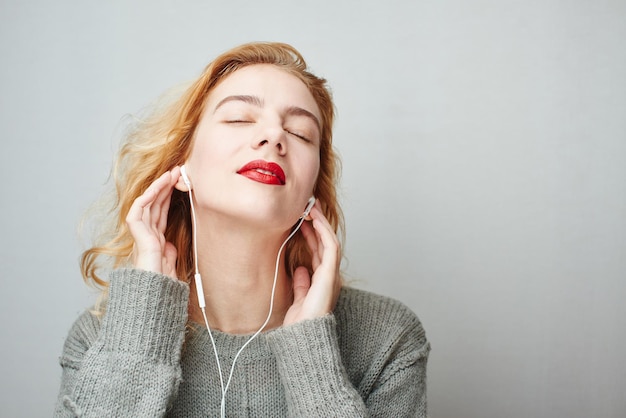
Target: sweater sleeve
<point>399,388</point>
<point>129,365</point>
<point>310,367</point>
<point>389,357</point>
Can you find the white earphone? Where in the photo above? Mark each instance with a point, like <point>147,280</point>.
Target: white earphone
<point>183,173</point>
<point>308,208</point>
<point>200,291</point>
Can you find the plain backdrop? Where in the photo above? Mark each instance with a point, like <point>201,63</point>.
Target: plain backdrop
<point>484,175</point>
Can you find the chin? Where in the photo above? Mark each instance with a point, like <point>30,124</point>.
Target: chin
<point>263,216</point>
<point>276,220</point>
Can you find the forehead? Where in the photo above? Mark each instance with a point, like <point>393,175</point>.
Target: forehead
<point>271,84</point>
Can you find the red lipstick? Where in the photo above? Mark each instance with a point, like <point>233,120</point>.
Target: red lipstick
<point>263,172</point>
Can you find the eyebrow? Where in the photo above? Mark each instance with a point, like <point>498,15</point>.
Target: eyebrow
<point>256,101</point>
<point>253,100</point>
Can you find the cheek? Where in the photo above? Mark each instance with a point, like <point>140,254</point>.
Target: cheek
<point>316,170</point>
<point>314,173</point>
<point>209,152</point>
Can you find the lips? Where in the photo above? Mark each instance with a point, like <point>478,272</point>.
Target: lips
<point>263,172</point>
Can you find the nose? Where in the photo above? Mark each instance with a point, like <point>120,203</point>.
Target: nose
<point>272,136</point>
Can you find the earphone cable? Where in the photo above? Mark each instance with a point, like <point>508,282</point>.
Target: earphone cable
<point>201,301</point>
<point>198,281</point>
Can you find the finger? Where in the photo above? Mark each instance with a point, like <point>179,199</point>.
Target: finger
<point>135,213</point>
<point>329,247</point>
<point>148,197</point>
<point>162,202</point>
<point>165,208</point>
<point>163,187</point>
<point>325,233</point>
<point>312,242</point>
<point>151,203</point>
<point>301,284</point>
<point>135,218</point>
<point>318,214</point>
<point>141,218</point>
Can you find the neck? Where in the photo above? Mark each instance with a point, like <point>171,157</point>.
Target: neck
<point>237,265</point>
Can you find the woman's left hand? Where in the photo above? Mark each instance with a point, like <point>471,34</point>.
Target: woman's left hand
<point>316,296</point>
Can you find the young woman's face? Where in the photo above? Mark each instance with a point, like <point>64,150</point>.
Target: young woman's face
<point>255,154</point>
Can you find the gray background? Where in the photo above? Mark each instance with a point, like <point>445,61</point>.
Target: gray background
<point>484,147</point>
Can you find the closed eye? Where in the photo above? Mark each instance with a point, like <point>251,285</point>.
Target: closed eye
<point>238,121</point>
<point>297,135</point>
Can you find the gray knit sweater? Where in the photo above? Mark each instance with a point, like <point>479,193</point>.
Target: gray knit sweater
<point>368,358</point>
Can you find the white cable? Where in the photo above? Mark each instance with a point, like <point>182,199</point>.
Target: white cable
<point>269,314</point>
<point>202,303</point>
<point>200,290</point>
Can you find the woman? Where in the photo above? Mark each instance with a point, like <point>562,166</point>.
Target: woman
<point>225,296</point>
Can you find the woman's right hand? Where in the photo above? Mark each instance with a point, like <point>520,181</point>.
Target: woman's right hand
<point>147,220</point>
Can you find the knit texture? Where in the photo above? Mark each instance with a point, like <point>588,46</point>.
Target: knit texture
<point>368,358</point>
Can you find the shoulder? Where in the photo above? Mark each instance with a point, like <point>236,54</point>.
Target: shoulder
<point>358,305</point>
<point>81,336</point>
<point>365,318</point>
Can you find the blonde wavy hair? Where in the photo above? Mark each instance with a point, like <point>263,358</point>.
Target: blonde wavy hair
<point>163,139</point>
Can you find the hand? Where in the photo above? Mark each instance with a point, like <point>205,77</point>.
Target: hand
<point>316,296</point>
<point>147,220</point>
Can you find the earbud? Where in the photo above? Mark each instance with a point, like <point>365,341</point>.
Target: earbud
<point>183,173</point>
<point>308,208</point>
